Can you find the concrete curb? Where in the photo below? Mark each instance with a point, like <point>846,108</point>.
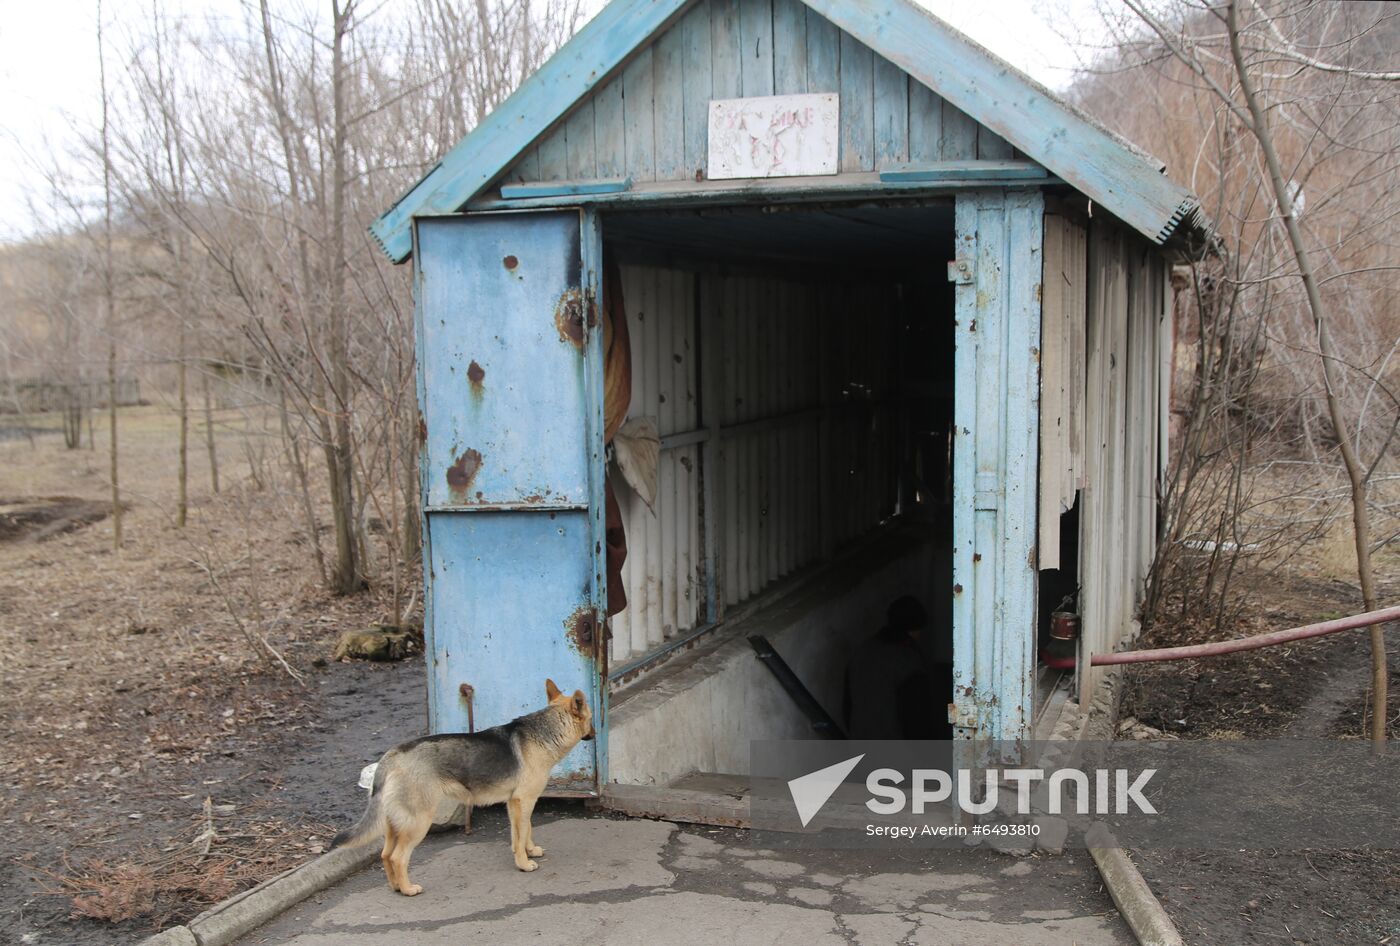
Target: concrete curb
<point>1134,899</point>
<point>247,911</point>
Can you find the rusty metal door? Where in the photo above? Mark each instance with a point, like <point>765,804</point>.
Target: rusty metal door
<point>510,388</point>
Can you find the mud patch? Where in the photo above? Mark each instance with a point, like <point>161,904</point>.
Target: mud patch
<point>36,518</point>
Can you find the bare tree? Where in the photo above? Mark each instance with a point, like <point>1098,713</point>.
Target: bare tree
<point>232,241</point>
<point>1300,127</point>
<point>109,298</point>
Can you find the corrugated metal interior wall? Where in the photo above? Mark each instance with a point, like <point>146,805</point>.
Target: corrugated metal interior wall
<point>1127,301</point>
<point>782,389</point>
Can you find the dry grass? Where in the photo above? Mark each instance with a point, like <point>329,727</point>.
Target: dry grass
<point>131,684</point>
<point>222,851</point>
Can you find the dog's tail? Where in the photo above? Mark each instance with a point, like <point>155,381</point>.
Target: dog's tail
<point>371,823</point>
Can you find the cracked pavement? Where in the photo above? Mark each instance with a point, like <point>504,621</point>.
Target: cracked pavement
<point>610,880</point>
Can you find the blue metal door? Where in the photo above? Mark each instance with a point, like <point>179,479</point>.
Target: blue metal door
<point>510,387</point>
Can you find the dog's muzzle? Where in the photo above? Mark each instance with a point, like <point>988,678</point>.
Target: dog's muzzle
<point>588,736</point>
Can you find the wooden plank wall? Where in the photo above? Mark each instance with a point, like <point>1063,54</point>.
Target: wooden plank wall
<point>996,419</point>
<point>651,122</point>
<point>1118,529</point>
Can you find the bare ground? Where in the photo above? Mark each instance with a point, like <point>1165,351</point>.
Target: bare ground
<point>158,756</point>
<point>1313,689</point>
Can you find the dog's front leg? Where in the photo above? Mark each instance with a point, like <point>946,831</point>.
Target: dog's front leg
<point>520,831</point>
<point>531,848</point>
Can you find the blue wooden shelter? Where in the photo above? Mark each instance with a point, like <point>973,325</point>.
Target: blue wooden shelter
<point>939,370</point>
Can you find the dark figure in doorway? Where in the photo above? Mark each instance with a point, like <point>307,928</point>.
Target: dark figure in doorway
<point>893,690</point>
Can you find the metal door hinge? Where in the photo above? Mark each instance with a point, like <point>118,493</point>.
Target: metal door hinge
<point>961,271</point>
<point>962,715</point>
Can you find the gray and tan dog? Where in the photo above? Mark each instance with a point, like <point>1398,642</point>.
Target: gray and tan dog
<point>509,763</point>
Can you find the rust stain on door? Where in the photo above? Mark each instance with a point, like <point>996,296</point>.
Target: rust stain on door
<point>461,473</point>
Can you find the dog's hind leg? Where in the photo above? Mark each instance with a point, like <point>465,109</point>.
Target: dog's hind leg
<point>391,838</point>
<point>463,795</point>
<point>409,837</point>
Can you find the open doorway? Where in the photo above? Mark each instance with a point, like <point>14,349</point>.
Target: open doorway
<point>795,366</point>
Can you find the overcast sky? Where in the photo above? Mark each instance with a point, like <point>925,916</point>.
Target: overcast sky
<point>49,78</point>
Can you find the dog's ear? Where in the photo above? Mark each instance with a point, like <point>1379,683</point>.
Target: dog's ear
<point>578,705</point>
<point>550,690</point>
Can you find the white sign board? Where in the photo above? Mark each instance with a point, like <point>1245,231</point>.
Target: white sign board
<point>774,136</point>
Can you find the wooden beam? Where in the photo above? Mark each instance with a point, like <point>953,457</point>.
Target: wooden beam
<point>963,171</point>
<point>565,188</point>
<point>852,186</point>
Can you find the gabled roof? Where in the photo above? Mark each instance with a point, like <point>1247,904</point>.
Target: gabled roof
<point>1105,168</point>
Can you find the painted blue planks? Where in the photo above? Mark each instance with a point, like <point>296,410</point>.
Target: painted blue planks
<point>668,106</point>
<point>696,65</point>
<point>857,105</point>
<point>789,47</point>
<point>638,86</point>
<point>756,47</point>
<point>707,54</point>
<point>583,151</point>
<point>991,146</point>
<point>891,113</point>
<point>609,132</point>
<point>959,134</point>
<point>726,74</point>
<point>996,423</point>
<point>554,155</point>
<point>823,54</point>
<point>925,123</point>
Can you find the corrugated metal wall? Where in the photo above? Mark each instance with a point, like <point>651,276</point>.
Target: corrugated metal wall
<point>664,571</point>
<point>1118,528</point>
<point>1061,379</point>
<point>797,436</point>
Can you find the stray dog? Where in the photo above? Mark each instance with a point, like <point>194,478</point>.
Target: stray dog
<point>509,763</point>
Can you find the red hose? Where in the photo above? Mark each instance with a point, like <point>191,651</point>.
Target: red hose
<point>1233,646</point>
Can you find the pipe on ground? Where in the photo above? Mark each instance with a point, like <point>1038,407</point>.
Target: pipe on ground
<point>1217,648</point>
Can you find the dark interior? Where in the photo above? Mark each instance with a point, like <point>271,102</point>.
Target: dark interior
<point>904,246</point>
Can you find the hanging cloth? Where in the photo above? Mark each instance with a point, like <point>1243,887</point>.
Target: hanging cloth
<point>617,397</point>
